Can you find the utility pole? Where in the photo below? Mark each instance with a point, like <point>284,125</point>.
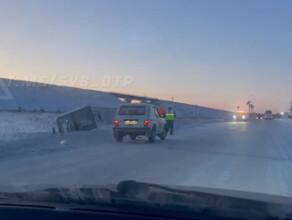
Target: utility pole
<point>291,108</point>
<point>249,105</point>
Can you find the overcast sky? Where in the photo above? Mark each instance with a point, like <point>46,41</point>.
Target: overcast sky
<point>210,53</point>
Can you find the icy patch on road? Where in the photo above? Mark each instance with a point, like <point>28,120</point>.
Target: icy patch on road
<point>286,120</point>
<point>185,128</point>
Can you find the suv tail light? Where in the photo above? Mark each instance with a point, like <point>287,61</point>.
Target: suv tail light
<point>146,123</point>
<point>116,122</point>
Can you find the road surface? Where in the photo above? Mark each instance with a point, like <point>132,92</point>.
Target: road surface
<point>254,156</point>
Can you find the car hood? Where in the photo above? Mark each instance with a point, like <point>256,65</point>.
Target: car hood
<point>131,193</point>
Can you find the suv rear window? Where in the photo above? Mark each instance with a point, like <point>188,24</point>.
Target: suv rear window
<point>132,110</point>
<point>268,112</point>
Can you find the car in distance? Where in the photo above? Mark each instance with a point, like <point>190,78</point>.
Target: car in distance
<point>240,116</point>
<point>139,119</point>
<point>259,116</point>
<point>268,115</point>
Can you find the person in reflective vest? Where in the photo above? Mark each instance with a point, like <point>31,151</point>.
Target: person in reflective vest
<point>169,117</point>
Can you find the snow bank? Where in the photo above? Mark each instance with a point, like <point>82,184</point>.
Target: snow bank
<point>35,96</point>
<point>194,111</point>
<point>14,125</point>
<point>30,96</point>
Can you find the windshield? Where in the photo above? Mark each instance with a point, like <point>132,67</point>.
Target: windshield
<point>185,94</point>
<point>132,110</point>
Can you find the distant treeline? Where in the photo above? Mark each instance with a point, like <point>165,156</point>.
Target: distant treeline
<point>20,109</point>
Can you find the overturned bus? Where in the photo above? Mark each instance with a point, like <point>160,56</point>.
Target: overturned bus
<point>85,119</point>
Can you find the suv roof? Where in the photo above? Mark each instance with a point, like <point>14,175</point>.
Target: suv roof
<point>138,104</point>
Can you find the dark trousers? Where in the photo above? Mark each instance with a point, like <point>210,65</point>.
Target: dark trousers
<point>170,126</point>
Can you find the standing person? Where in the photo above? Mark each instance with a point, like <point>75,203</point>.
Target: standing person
<point>161,111</point>
<point>169,117</point>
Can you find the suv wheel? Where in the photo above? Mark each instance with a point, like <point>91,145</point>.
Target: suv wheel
<point>119,138</point>
<point>163,134</point>
<point>152,137</point>
<point>133,137</point>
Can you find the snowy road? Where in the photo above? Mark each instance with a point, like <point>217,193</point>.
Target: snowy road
<point>254,156</point>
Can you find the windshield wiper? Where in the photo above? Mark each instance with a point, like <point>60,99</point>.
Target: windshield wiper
<point>59,195</point>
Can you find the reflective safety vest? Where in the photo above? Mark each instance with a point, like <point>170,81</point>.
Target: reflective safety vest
<point>169,115</point>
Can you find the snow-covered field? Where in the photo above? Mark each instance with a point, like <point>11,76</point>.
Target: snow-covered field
<point>254,156</point>
<point>30,96</point>
<point>186,110</point>
<point>15,125</point>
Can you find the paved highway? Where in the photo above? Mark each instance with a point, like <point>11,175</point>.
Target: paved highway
<point>254,156</point>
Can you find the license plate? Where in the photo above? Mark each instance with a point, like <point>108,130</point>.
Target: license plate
<point>131,122</point>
